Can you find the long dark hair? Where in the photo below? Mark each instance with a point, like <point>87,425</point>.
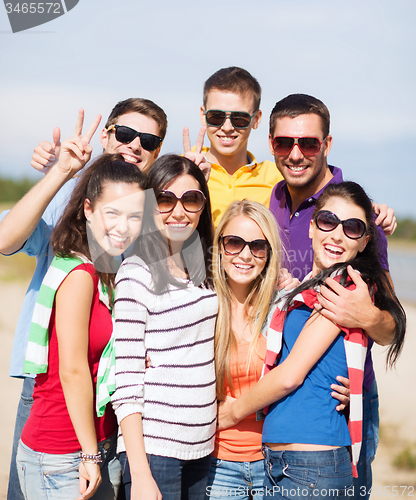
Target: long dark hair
<point>154,249</point>
<point>70,234</point>
<point>366,262</point>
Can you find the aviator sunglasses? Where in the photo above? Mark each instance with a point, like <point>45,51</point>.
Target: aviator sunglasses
<point>239,119</point>
<point>328,221</point>
<point>308,145</point>
<point>126,135</point>
<point>192,201</point>
<point>233,245</point>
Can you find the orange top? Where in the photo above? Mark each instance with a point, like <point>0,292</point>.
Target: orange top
<point>242,443</point>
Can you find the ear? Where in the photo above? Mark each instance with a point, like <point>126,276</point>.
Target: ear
<point>104,138</point>
<point>87,209</point>
<point>270,145</point>
<point>327,145</point>
<point>257,119</point>
<point>364,243</point>
<point>202,116</point>
<point>311,229</point>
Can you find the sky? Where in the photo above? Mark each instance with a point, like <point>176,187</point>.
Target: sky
<point>358,57</point>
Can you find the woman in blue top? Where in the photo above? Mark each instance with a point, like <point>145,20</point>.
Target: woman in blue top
<point>305,439</point>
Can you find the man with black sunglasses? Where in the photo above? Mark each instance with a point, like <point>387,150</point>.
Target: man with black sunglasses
<point>230,111</point>
<point>135,129</point>
<point>300,143</point>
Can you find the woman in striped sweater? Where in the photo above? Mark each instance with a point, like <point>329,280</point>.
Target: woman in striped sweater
<point>305,439</point>
<point>166,310</point>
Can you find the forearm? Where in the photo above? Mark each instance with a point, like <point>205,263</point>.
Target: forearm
<point>132,429</point>
<point>21,221</point>
<point>380,327</point>
<point>78,391</point>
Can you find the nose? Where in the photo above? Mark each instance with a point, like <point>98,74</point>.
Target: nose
<point>245,253</point>
<point>178,212</point>
<point>122,226</point>
<point>296,154</point>
<point>337,234</point>
<point>227,125</point>
<point>135,145</point>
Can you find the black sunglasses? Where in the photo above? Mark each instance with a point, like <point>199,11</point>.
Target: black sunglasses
<point>192,201</point>
<point>309,146</point>
<point>239,119</point>
<point>328,221</point>
<point>233,245</point>
<point>126,135</point>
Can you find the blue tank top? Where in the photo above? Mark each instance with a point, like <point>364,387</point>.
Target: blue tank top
<point>308,414</point>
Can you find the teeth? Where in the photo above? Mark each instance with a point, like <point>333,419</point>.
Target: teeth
<point>130,159</point>
<point>118,239</point>
<point>227,139</point>
<point>297,168</point>
<point>242,266</point>
<point>177,225</point>
<point>332,249</point>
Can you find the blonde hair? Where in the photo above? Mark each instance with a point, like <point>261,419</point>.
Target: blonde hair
<point>259,297</point>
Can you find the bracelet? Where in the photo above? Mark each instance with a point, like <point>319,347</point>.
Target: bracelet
<point>95,459</point>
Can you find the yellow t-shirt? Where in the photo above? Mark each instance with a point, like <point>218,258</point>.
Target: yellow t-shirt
<point>253,182</point>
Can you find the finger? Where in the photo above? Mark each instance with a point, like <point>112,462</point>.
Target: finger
<point>76,149</point>
<point>186,140</point>
<point>56,137</point>
<point>80,122</point>
<point>191,156</point>
<point>356,277</point>
<point>340,390</point>
<point>200,140</point>
<point>91,131</point>
<point>333,286</point>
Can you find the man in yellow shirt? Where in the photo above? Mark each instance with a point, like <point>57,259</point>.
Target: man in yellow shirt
<point>230,112</point>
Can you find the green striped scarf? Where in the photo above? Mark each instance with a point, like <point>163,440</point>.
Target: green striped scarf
<point>36,359</point>
<point>106,376</point>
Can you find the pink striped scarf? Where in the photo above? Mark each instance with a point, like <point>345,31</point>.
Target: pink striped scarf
<point>355,343</point>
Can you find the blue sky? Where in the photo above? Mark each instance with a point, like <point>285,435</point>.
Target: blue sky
<point>357,56</point>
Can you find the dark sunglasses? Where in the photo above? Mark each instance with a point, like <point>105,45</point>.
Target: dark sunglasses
<point>308,145</point>
<point>233,245</point>
<point>192,201</point>
<point>328,221</point>
<point>126,135</point>
<point>239,119</point>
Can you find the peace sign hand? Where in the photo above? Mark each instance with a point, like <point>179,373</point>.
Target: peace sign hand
<point>196,156</point>
<point>76,152</point>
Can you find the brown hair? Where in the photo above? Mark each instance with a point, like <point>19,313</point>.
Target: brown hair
<point>144,107</point>
<point>234,79</point>
<point>299,104</point>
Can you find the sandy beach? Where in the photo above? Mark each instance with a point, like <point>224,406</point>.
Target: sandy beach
<point>396,389</point>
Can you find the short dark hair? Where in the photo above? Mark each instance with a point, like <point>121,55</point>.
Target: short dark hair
<point>142,106</point>
<point>299,104</point>
<point>234,79</point>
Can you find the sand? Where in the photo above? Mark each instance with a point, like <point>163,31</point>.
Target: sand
<point>396,389</point>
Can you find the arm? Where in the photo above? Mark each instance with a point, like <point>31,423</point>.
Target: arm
<point>75,294</point>
<point>21,221</point>
<point>315,338</point>
<point>143,485</point>
<point>355,309</point>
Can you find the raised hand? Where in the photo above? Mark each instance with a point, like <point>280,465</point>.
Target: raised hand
<point>385,218</point>
<point>196,156</point>
<point>46,154</point>
<point>76,152</point>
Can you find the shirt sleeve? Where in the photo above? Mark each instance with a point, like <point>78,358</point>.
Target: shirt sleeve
<point>382,248</point>
<point>130,318</point>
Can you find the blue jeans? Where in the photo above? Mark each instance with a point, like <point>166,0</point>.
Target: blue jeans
<point>176,479</point>
<point>364,481</point>
<point>235,480</point>
<point>55,477</point>
<point>23,411</point>
<point>299,475</point>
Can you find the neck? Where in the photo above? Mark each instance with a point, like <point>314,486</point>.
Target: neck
<point>240,293</point>
<point>175,263</point>
<point>230,163</point>
<point>299,194</point>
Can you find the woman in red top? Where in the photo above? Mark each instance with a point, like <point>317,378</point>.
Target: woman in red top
<point>66,451</point>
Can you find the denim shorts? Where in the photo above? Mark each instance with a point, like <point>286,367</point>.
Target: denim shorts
<point>46,476</point>
<point>242,480</point>
<point>300,475</point>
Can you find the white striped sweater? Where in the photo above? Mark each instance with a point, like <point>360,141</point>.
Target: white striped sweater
<point>176,395</point>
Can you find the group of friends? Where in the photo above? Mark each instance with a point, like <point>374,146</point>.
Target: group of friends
<point>199,325</point>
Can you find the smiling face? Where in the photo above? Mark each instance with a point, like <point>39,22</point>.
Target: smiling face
<point>302,171</point>
<point>242,269</point>
<point>334,246</point>
<point>227,140</point>
<point>133,152</point>
<point>115,219</point>
<point>179,224</point>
